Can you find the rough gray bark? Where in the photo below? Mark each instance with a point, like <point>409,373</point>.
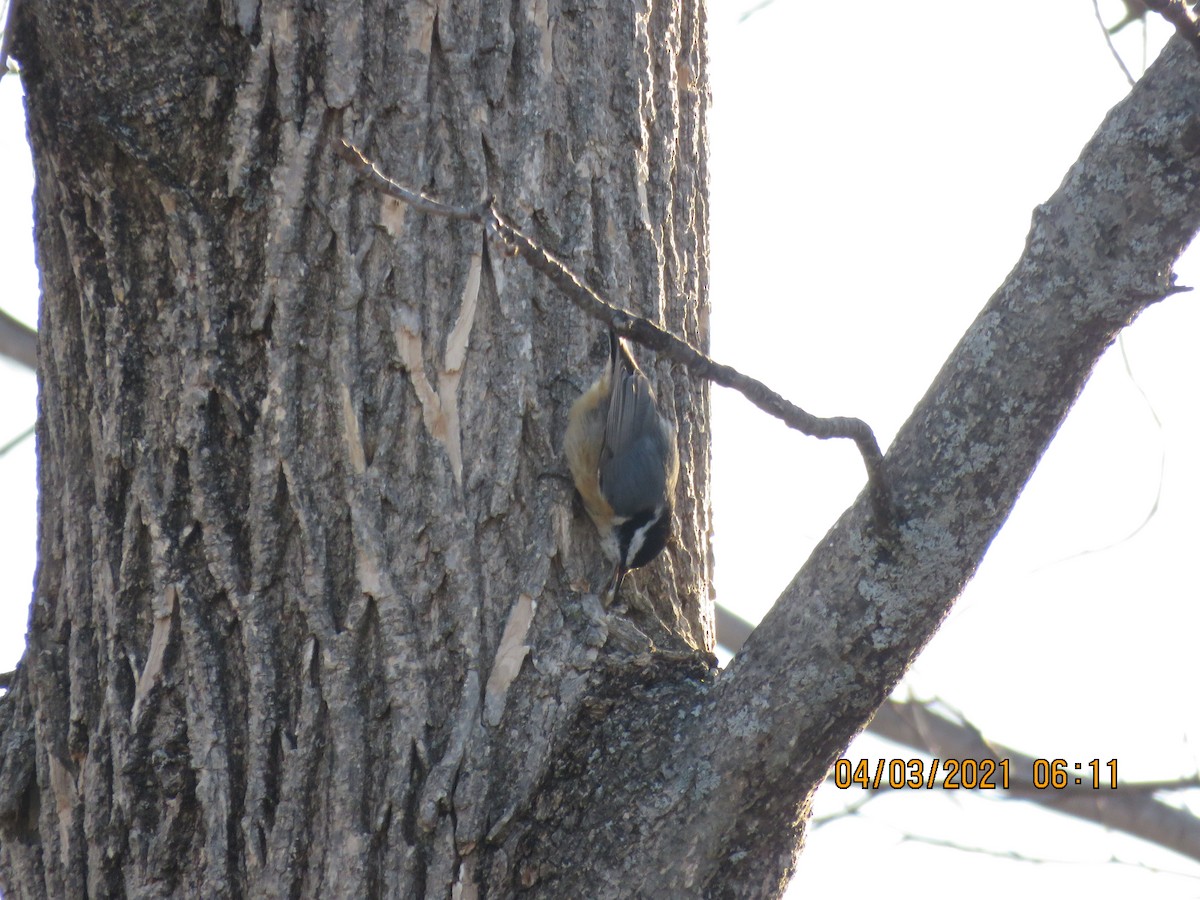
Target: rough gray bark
<point>300,522</point>
<point>303,509</point>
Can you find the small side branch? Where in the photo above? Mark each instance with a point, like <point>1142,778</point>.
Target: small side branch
<point>1179,14</point>
<point>642,331</point>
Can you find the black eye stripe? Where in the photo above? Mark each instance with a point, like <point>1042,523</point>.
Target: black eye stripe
<point>643,537</point>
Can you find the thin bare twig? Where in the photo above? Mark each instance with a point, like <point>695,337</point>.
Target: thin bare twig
<point>849,811</point>
<point>28,432</point>
<point>1109,32</point>
<point>642,331</point>
<point>1017,856</point>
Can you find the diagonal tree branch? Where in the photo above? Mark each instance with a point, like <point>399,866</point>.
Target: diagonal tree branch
<point>830,651</point>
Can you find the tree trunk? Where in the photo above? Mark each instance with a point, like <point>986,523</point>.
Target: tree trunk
<point>313,613</point>
<point>304,514</point>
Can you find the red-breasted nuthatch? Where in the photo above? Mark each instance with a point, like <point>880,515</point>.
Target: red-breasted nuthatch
<point>625,463</point>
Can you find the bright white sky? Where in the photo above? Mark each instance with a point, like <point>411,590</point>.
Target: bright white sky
<point>874,168</point>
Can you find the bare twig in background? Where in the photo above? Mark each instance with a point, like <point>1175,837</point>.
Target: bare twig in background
<point>1109,32</point>
<point>849,811</point>
<point>18,341</point>
<point>641,330</point>
<point>1015,856</point>
<point>732,629</point>
<point>1135,11</point>
<point>1131,808</point>
<point>27,433</point>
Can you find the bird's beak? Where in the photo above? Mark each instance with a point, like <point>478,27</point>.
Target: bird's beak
<point>614,585</point>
